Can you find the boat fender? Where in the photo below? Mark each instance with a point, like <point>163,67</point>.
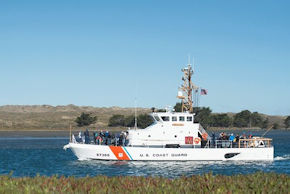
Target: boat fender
<point>197,140</point>
<point>204,136</point>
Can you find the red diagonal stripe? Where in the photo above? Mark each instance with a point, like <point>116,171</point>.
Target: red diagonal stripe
<point>119,152</point>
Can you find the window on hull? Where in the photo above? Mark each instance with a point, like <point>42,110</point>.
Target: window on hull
<point>181,118</point>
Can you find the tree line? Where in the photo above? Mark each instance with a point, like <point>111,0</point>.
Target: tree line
<point>143,121</point>
<point>203,115</point>
<point>244,118</point>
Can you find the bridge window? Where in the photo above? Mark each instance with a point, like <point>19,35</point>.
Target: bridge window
<point>165,118</point>
<point>189,118</point>
<point>174,118</point>
<point>181,118</point>
<point>156,118</point>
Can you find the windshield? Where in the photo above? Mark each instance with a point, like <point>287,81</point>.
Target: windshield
<point>156,118</point>
<point>165,118</point>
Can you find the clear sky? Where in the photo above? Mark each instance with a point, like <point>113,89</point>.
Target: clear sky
<point>107,53</point>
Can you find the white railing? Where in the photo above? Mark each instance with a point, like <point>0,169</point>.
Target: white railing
<point>256,142</point>
<point>242,143</point>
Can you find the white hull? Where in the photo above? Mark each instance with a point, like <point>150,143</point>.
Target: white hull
<point>104,152</point>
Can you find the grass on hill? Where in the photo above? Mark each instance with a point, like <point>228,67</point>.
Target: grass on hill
<point>45,117</point>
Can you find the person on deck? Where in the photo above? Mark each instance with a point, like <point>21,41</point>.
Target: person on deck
<point>94,133</point>
<point>126,138</point>
<point>109,139</point>
<point>95,137</point>
<point>237,139</point>
<point>73,139</point>
<point>121,138</point>
<point>106,137</point>
<point>117,139</point>
<point>102,135</point>
<point>99,140</point>
<point>113,139</point>
<point>80,137</point>
<point>87,136</point>
<point>232,137</point>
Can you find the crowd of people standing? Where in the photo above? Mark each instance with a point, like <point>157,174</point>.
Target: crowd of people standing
<point>225,139</point>
<point>102,138</point>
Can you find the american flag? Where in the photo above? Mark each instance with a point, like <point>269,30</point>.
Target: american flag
<point>203,92</point>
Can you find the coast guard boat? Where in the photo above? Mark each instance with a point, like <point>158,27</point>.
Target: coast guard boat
<point>175,136</point>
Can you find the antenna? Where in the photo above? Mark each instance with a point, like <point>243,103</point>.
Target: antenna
<point>135,125</point>
<point>267,130</point>
<point>135,108</point>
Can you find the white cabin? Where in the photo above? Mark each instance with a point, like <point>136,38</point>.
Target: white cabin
<point>169,129</point>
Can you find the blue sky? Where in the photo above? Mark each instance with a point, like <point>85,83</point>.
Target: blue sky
<point>107,53</point>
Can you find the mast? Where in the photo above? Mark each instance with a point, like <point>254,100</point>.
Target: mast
<point>186,89</point>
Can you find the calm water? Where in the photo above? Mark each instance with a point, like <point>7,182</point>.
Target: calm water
<point>27,156</point>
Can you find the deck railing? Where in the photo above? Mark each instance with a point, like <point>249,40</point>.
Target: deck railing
<point>256,142</point>
<point>242,143</point>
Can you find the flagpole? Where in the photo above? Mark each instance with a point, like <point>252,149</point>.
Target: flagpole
<point>198,97</point>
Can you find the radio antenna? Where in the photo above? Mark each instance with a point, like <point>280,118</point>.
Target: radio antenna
<point>135,125</point>
<point>135,107</point>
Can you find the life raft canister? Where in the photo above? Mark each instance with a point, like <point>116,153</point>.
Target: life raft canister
<point>204,136</point>
<point>197,140</point>
<point>261,144</point>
